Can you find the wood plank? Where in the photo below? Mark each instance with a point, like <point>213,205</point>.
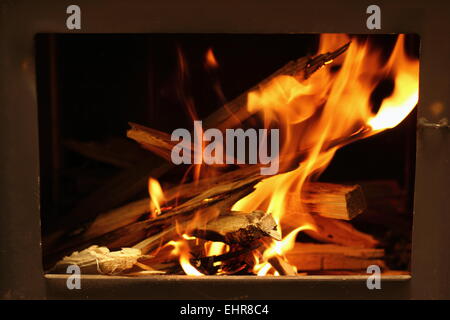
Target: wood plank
<point>330,230</point>
<point>320,257</point>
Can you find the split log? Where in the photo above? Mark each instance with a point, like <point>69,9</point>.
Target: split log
<point>120,227</point>
<point>319,257</point>
<point>230,262</point>
<point>283,267</point>
<point>151,139</point>
<point>329,200</point>
<point>239,228</point>
<point>340,232</point>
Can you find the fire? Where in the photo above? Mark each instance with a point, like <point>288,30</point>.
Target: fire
<point>181,249</point>
<point>278,248</point>
<point>156,197</point>
<point>312,114</point>
<point>406,93</point>
<point>211,59</point>
<point>325,107</point>
<point>213,248</point>
<point>282,247</point>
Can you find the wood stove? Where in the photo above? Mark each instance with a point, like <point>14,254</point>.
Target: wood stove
<point>92,186</point>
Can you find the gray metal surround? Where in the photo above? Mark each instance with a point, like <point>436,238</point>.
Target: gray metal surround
<point>21,274</point>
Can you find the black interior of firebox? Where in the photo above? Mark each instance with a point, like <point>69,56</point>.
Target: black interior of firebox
<point>90,86</point>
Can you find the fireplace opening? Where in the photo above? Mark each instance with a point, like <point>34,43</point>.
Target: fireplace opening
<point>144,172</point>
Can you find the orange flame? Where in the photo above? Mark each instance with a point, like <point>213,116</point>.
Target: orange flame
<point>311,113</point>
<point>406,92</point>
<point>326,107</point>
<point>156,197</point>
<point>213,248</point>
<point>211,59</point>
<point>278,248</point>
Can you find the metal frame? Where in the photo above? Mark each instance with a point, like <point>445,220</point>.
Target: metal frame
<point>21,274</point>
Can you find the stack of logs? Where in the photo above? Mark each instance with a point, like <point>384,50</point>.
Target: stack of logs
<point>339,246</point>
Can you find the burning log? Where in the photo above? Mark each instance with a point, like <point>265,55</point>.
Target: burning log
<point>229,227</point>
<point>208,264</point>
<point>239,228</point>
<point>320,257</point>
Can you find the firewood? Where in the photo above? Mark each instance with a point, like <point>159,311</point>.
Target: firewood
<point>152,139</point>
<point>283,267</point>
<point>330,231</point>
<point>226,256</point>
<point>133,180</point>
<point>320,257</point>
<point>117,218</point>
<point>119,152</point>
<point>340,232</point>
<point>114,193</point>
<point>229,227</point>
<point>239,228</point>
<point>129,213</point>
<point>227,261</point>
<point>219,200</point>
<point>156,240</point>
